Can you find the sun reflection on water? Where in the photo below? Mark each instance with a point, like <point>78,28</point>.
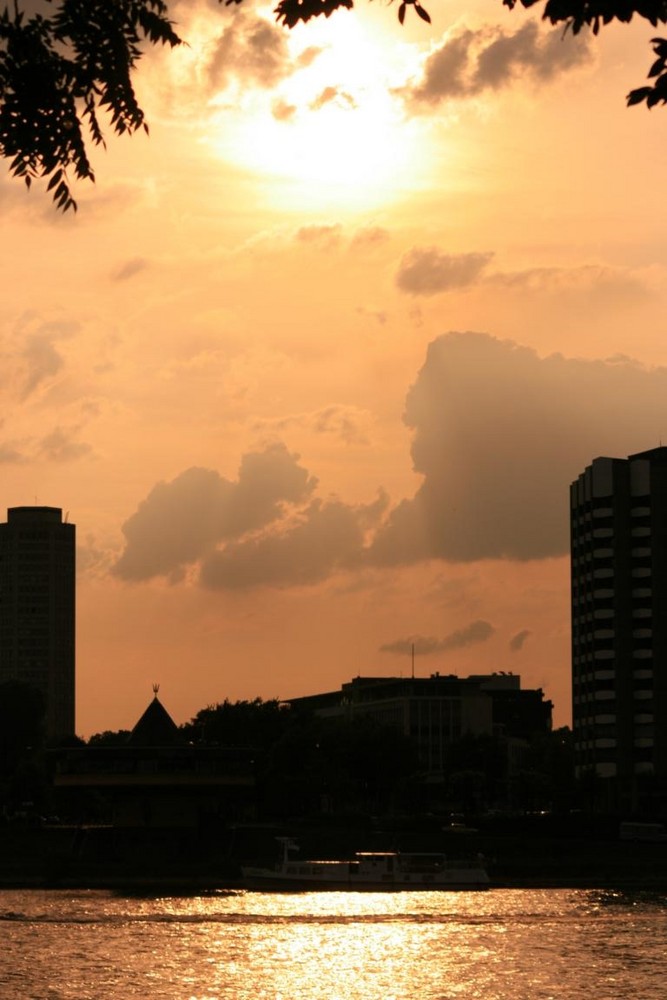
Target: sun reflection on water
<point>496,945</point>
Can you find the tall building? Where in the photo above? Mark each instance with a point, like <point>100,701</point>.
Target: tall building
<point>37,609</point>
<point>619,628</point>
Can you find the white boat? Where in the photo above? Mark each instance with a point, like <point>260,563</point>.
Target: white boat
<point>368,870</point>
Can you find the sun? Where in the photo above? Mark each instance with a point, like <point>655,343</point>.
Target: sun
<point>333,132</point>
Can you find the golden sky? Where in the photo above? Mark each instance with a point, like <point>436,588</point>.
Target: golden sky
<point>314,364</point>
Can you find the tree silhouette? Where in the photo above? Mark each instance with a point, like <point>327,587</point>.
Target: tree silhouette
<point>576,14</point>
<point>68,62</point>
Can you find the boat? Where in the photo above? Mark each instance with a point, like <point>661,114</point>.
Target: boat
<point>368,870</point>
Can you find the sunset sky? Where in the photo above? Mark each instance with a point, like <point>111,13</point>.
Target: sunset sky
<point>314,364</point>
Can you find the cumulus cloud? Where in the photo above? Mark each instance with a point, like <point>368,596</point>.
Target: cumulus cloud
<point>251,49</point>
<point>428,271</point>
<point>517,641</point>
<point>469,62</point>
<point>499,434</point>
<point>182,521</point>
<point>425,645</point>
<point>326,537</point>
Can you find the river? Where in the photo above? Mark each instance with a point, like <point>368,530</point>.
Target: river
<point>503,944</point>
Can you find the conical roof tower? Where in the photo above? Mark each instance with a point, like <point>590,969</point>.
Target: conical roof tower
<point>155,728</point>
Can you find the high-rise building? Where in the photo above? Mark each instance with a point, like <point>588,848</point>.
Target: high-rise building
<point>37,609</point>
<point>618,513</point>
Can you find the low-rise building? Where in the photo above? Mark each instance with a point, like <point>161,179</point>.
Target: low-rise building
<point>440,710</point>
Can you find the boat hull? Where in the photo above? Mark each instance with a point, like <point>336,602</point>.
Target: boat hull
<point>276,881</point>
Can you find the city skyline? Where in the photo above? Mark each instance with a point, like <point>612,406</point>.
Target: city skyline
<point>315,363</point>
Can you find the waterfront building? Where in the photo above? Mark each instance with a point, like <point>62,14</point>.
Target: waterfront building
<point>152,778</point>
<point>619,628</point>
<point>438,711</point>
<point>37,610</point>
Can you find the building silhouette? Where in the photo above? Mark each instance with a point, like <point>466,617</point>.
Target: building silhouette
<point>438,711</point>
<point>154,778</point>
<point>619,629</point>
<point>37,610</point>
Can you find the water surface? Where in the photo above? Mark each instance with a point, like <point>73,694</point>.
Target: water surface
<point>497,945</point>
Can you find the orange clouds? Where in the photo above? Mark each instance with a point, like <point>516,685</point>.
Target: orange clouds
<point>470,62</point>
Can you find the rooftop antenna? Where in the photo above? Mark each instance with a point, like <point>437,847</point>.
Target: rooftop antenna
<point>156,688</point>
<point>413,661</point>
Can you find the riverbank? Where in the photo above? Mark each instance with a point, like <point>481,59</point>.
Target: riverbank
<point>517,855</point>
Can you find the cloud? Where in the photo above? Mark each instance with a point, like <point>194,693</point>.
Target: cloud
<point>584,280</point>
<point>476,632</point>
<point>41,361</point>
<point>282,111</point>
<point>333,95</point>
<point>250,49</point>
<point>328,536</point>
<point>499,434</point>
<point>428,271</point>
<point>345,422</point>
<point>470,62</point>
<point>9,455</point>
<point>60,446</point>
<point>182,521</point>
<point>378,315</point>
<point>130,268</point>
<point>324,236</point>
<point>369,236</point>
<point>517,641</point>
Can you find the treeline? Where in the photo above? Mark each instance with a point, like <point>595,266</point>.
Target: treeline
<point>307,765</point>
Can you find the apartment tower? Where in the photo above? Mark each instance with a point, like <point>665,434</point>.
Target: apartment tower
<point>37,610</point>
<point>618,513</point>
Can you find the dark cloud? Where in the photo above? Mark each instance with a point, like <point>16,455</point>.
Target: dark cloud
<point>326,537</point>
<point>469,62</point>
<point>251,49</point>
<point>517,641</point>
<point>182,521</point>
<point>475,632</point>
<point>428,271</point>
<point>499,434</point>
